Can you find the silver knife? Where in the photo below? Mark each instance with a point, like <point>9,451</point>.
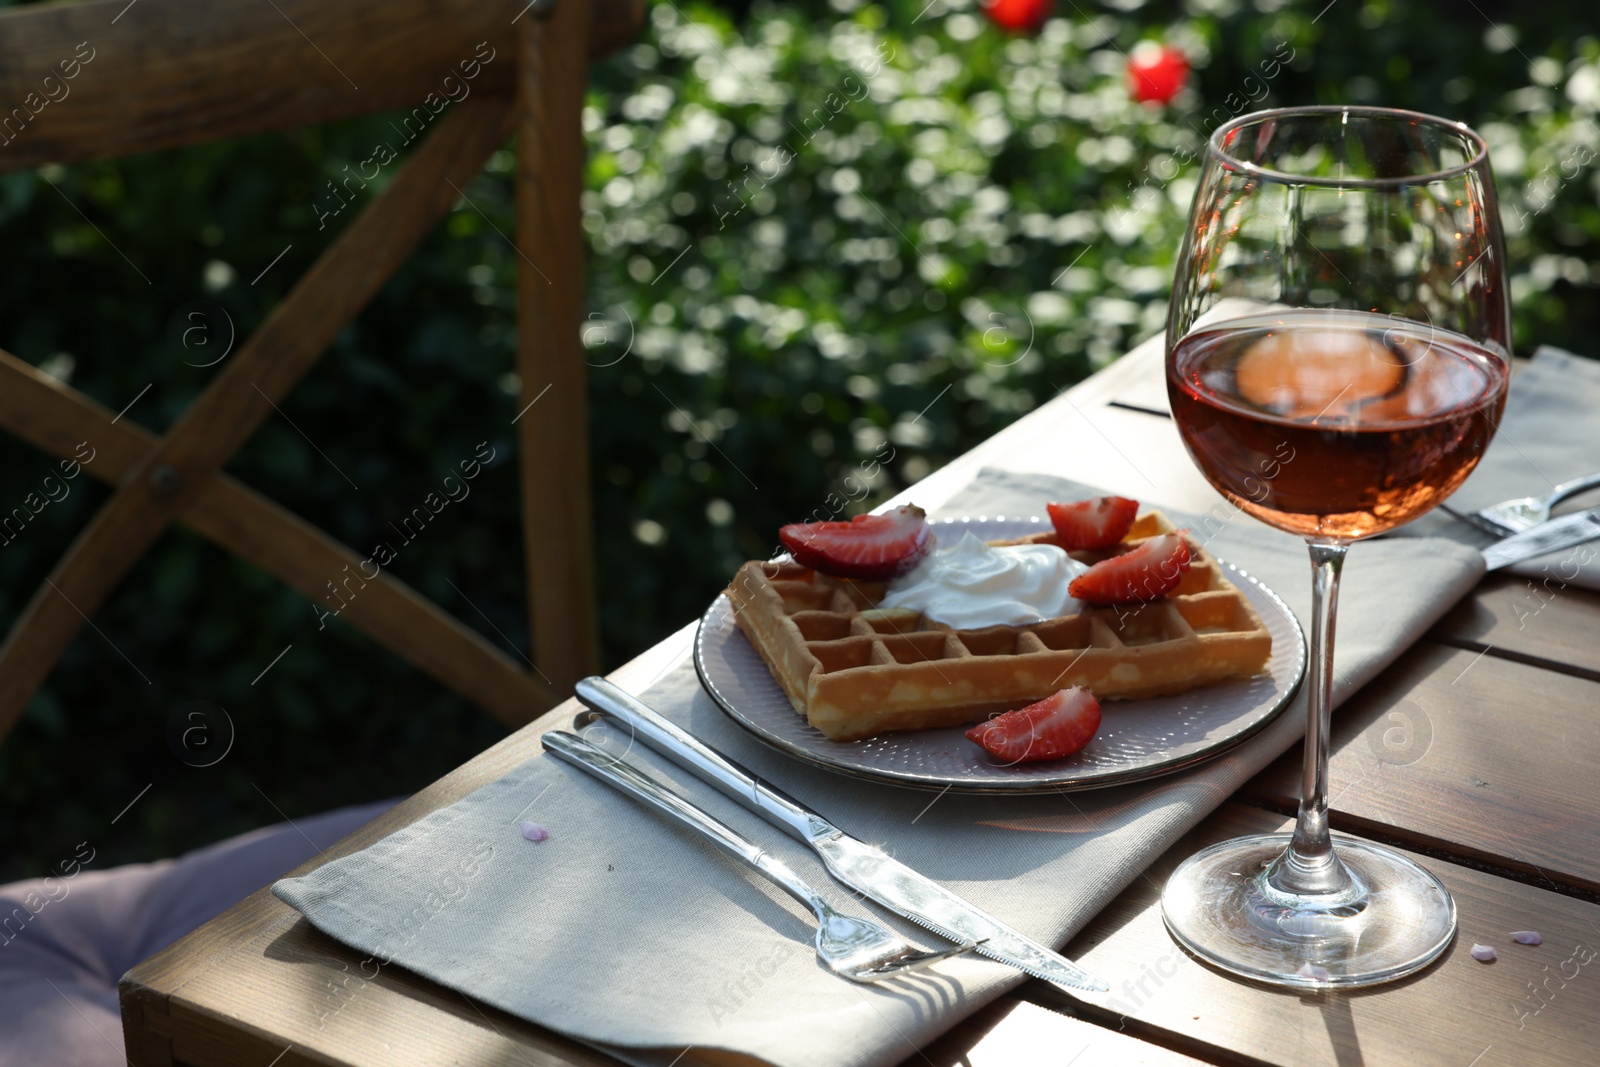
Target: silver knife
<point>865,868</point>
<point>1547,537</point>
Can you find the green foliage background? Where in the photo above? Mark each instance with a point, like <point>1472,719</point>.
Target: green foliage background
<point>969,224</point>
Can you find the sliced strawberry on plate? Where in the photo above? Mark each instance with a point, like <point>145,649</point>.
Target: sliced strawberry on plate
<point>868,547</point>
<point>1098,522</point>
<point>1147,572</point>
<point>1056,726</point>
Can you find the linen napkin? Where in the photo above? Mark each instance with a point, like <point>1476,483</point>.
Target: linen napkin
<point>1550,434</point>
<point>624,931</point>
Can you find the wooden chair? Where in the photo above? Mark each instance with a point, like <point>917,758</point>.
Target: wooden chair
<point>167,73</point>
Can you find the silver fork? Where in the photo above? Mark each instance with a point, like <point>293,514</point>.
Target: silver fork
<point>858,949</point>
<point>1526,512</point>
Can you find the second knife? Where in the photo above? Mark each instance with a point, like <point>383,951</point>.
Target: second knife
<point>1550,536</point>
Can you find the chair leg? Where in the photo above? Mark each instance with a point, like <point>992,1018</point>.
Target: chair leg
<point>553,425</point>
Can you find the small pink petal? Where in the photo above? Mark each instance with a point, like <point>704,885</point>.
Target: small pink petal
<point>533,831</point>
<point>1527,937</point>
<point>1312,971</point>
<point>1484,954</point>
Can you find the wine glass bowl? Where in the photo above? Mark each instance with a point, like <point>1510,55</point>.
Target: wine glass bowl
<point>1336,424</point>
<point>1364,209</point>
<point>1337,361</point>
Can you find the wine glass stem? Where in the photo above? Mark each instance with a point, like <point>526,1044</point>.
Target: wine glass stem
<point>1309,867</point>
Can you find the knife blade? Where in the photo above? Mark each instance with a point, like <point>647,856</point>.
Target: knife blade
<point>1550,536</point>
<point>865,868</point>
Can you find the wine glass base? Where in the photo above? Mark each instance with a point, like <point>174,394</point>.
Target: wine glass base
<point>1215,908</point>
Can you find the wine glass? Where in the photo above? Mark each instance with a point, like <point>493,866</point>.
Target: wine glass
<point>1337,358</point>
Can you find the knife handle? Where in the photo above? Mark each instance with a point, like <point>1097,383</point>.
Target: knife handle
<point>667,738</point>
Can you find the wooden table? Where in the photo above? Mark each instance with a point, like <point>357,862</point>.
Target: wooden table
<point>1476,750</point>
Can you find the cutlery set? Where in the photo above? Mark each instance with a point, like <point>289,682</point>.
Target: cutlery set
<point>1552,535</point>
<point>857,949</point>
<point>854,948</point>
<point>1524,527</point>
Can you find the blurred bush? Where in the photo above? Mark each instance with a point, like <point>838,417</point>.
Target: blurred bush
<point>820,236</point>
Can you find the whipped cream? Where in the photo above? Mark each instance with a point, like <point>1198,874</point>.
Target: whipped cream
<point>972,584</point>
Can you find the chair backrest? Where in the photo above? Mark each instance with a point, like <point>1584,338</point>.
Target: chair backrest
<point>150,74</point>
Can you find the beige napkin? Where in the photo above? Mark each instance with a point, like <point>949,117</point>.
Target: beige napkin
<point>622,930</point>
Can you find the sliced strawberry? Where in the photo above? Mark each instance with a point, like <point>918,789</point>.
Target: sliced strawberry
<point>1147,572</point>
<point>1056,726</point>
<point>1099,522</point>
<point>871,548</point>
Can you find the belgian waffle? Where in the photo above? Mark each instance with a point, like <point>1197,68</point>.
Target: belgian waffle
<point>855,670</point>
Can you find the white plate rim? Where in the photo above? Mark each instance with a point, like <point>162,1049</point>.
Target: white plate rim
<point>1286,666</point>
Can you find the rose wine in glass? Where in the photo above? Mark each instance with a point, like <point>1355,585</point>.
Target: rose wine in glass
<point>1337,360</point>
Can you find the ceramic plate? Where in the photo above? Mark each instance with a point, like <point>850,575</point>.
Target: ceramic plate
<point>1138,739</point>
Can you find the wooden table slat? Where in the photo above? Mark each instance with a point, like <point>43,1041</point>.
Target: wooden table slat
<point>1486,759</point>
<point>1009,1032</point>
<point>1542,621</point>
<point>1454,1013</point>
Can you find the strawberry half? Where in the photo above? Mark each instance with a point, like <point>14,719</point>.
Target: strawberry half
<point>1099,522</point>
<point>872,548</point>
<point>1148,572</point>
<point>1056,726</point>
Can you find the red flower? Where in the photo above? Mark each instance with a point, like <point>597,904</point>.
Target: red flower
<point>1156,73</point>
<point>1018,16</point>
